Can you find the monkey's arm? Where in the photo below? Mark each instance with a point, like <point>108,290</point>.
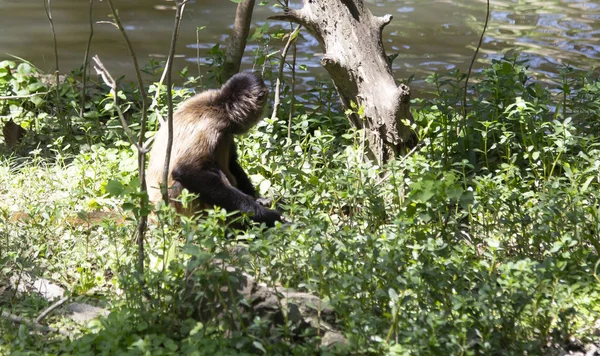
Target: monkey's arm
<point>209,184</point>
<point>243,182</point>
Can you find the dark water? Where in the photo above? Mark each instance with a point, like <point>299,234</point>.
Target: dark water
<point>430,35</point>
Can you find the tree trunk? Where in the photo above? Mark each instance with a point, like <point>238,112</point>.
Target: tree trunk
<point>237,42</point>
<point>354,57</point>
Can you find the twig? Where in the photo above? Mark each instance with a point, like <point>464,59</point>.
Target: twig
<point>86,61</point>
<point>198,54</point>
<point>284,52</point>
<point>10,97</point>
<point>45,329</point>
<point>108,79</point>
<point>50,309</point>
<point>413,150</point>
<point>168,64</point>
<point>47,7</point>
<point>165,176</point>
<point>293,90</point>
<point>487,17</point>
<point>142,150</point>
<point>136,66</point>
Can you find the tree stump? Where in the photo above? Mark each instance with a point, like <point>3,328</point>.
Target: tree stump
<point>355,58</point>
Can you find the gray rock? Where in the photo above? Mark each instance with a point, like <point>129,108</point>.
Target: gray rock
<point>332,338</point>
<point>25,283</point>
<point>82,313</point>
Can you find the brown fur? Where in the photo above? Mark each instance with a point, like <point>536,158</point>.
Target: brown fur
<point>203,129</point>
<point>13,133</point>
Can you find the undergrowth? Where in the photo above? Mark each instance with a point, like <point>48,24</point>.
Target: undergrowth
<point>484,240</point>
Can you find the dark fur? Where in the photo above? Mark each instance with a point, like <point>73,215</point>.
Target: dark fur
<point>204,157</point>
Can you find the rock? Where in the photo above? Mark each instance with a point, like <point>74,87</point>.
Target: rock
<point>592,350</point>
<point>332,338</point>
<point>82,313</point>
<point>278,304</point>
<point>28,283</point>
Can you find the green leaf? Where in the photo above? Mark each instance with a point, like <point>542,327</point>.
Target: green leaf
<point>587,183</point>
<point>114,188</point>
<point>264,187</point>
<point>259,346</point>
<point>393,295</point>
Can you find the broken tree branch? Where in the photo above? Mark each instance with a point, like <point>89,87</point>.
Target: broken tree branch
<point>50,309</point>
<point>42,328</point>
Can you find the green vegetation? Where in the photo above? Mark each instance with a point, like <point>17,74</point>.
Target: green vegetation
<point>483,240</point>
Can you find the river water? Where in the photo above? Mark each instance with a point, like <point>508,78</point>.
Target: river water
<point>430,35</point>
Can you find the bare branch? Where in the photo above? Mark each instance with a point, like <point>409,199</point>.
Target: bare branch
<point>50,309</point>
<point>165,179</point>
<point>11,97</point>
<point>291,15</point>
<point>293,90</point>
<point>142,150</point>
<point>292,37</point>
<point>138,73</point>
<point>383,21</point>
<point>402,159</point>
<point>161,120</point>
<point>86,60</point>
<point>108,79</point>
<point>45,329</point>
<point>464,103</point>
<point>57,70</point>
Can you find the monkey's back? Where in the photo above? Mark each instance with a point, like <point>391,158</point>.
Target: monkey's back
<point>196,131</point>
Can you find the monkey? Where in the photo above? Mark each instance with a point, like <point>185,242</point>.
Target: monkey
<point>204,158</point>
<point>13,134</point>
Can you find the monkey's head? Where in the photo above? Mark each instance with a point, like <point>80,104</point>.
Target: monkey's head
<point>243,97</point>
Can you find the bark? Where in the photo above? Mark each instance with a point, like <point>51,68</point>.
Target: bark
<point>237,42</point>
<point>355,58</point>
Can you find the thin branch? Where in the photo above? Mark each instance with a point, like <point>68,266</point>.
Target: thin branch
<point>165,177</point>
<point>292,37</point>
<point>290,15</point>
<point>11,97</point>
<point>108,80</point>
<point>161,120</point>
<point>198,54</point>
<point>86,61</point>
<point>382,21</point>
<point>138,72</point>
<point>487,17</point>
<point>413,150</point>
<point>293,90</point>
<point>142,150</point>
<point>51,308</point>
<point>48,9</point>
<point>45,329</point>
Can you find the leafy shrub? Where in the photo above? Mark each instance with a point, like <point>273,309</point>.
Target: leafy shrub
<point>483,241</point>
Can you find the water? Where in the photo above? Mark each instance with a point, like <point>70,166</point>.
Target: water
<point>430,35</point>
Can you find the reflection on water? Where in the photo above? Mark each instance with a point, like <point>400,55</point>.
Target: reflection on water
<point>429,35</point>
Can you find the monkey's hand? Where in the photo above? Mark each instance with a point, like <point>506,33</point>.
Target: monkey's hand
<point>268,216</point>
<point>209,184</point>
<point>266,202</point>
